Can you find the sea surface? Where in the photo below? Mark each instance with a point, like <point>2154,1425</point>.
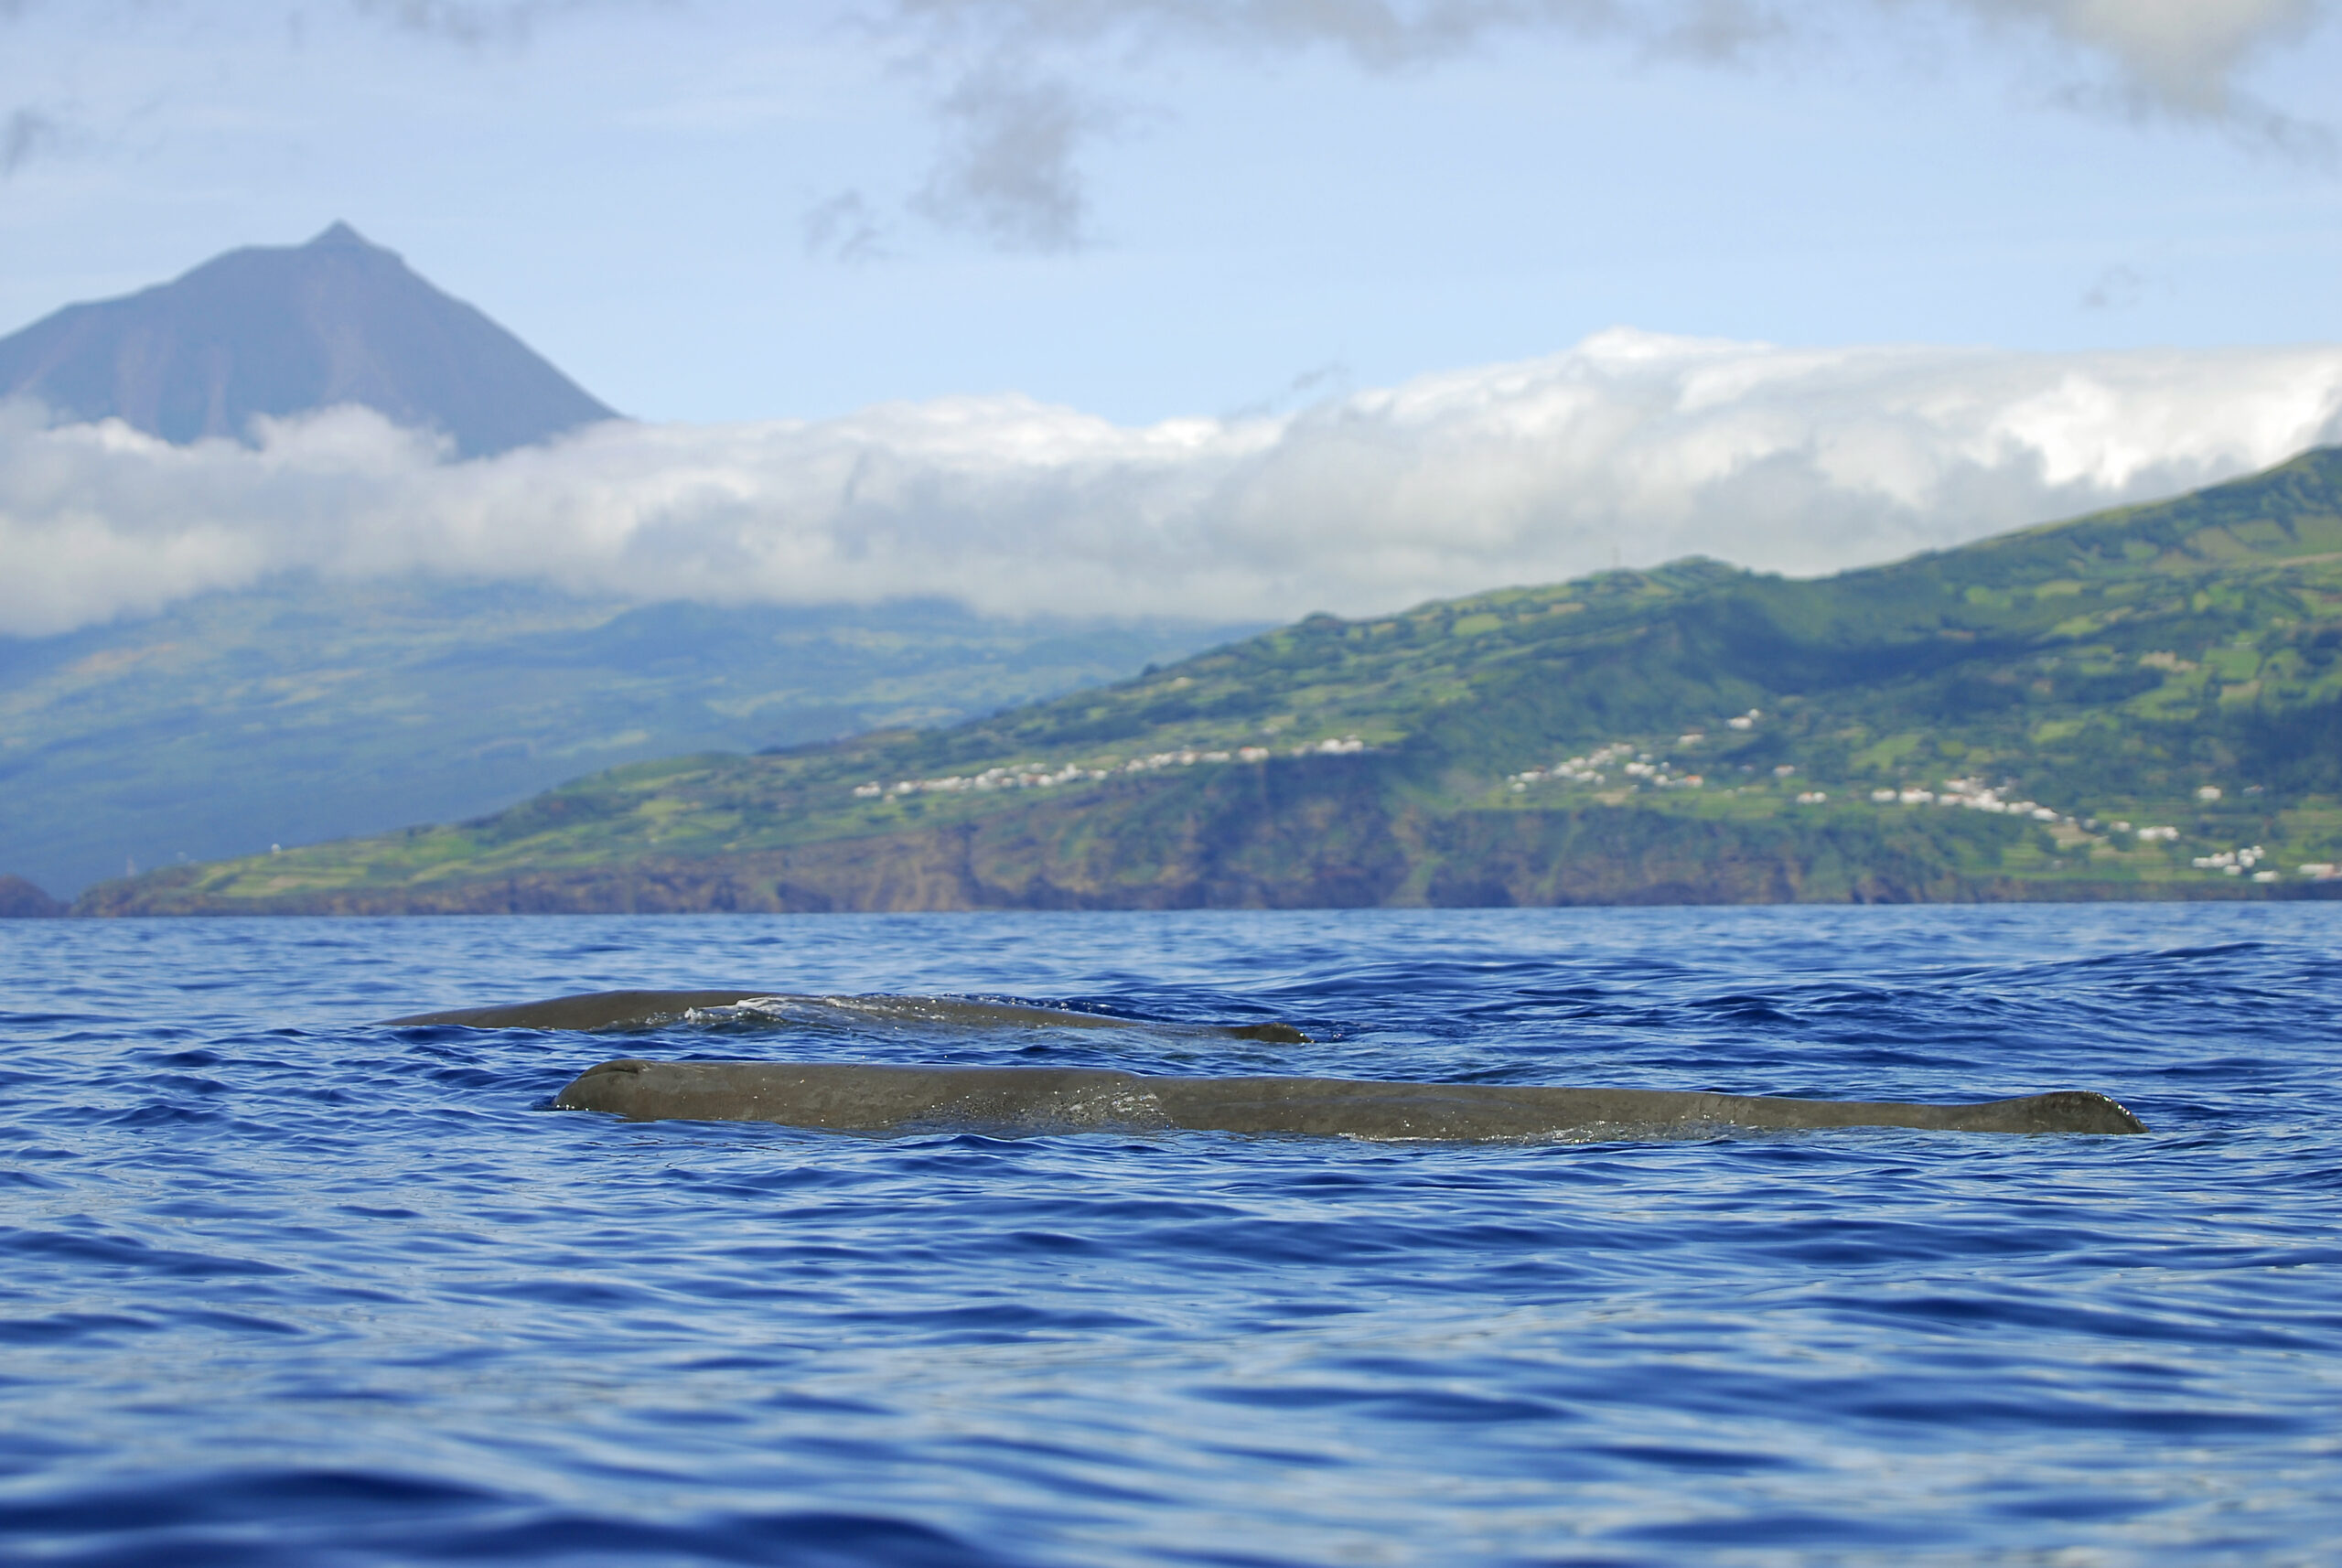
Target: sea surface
<point>282,1286</point>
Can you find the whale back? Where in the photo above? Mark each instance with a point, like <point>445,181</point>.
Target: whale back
<point>1023,1101</point>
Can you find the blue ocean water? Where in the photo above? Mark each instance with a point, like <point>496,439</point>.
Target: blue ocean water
<point>281,1285</point>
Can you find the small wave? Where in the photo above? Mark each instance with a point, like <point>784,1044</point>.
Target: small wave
<point>378,1311</point>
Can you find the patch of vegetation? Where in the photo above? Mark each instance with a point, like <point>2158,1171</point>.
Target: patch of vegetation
<point>2144,703</point>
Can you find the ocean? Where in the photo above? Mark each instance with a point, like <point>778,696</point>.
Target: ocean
<point>282,1286</point>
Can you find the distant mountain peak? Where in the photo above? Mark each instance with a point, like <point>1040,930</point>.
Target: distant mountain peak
<point>282,330</point>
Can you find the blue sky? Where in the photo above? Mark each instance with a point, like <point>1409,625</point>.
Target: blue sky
<point>1234,308</point>
<point>711,210</point>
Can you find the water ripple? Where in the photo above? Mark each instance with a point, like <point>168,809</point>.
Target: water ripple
<point>283,1286</point>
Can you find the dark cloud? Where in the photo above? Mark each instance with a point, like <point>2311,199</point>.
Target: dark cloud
<point>1025,95</point>
<point>2175,62</point>
<point>2116,288</point>
<point>1320,384</point>
<point>477,22</point>
<point>26,135</point>
<point>2181,53</point>
<point>1381,34</point>
<point>2180,56</point>
<point>458,21</point>
<point>1024,89</point>
<point>1008,170</point>
<point>845,228</point>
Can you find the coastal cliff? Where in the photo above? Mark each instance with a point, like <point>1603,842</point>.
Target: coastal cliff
<point>2140,703</point>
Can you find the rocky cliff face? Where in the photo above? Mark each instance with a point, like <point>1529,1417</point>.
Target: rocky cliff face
<point>287,330</point>
<point>1314,834</point>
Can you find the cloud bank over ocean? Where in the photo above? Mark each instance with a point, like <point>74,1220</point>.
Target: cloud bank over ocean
<point>1630,448</point>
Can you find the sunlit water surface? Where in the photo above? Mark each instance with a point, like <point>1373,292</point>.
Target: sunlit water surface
<point>281,1285</point>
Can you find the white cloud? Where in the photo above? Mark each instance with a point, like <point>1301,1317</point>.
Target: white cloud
<point>1630,446</point>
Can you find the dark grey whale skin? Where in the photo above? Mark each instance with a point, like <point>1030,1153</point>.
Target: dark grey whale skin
<point>855,1098</point>
<point>588,1010</point>
<point>642,1009</point>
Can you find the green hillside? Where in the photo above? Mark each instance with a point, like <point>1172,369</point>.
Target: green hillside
<point>303,710</point>
<point>2143,702</point>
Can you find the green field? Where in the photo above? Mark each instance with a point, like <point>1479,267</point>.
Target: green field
<point>2140,703</point>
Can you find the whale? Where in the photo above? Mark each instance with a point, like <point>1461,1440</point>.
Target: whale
<point>884,1098</point>
<point>625,1010</point>
<point>1020,1101</point>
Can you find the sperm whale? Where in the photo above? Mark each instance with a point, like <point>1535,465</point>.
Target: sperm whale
<point>1023,1101</point>
<point>647,1009</point>
<point>867,1098</point>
